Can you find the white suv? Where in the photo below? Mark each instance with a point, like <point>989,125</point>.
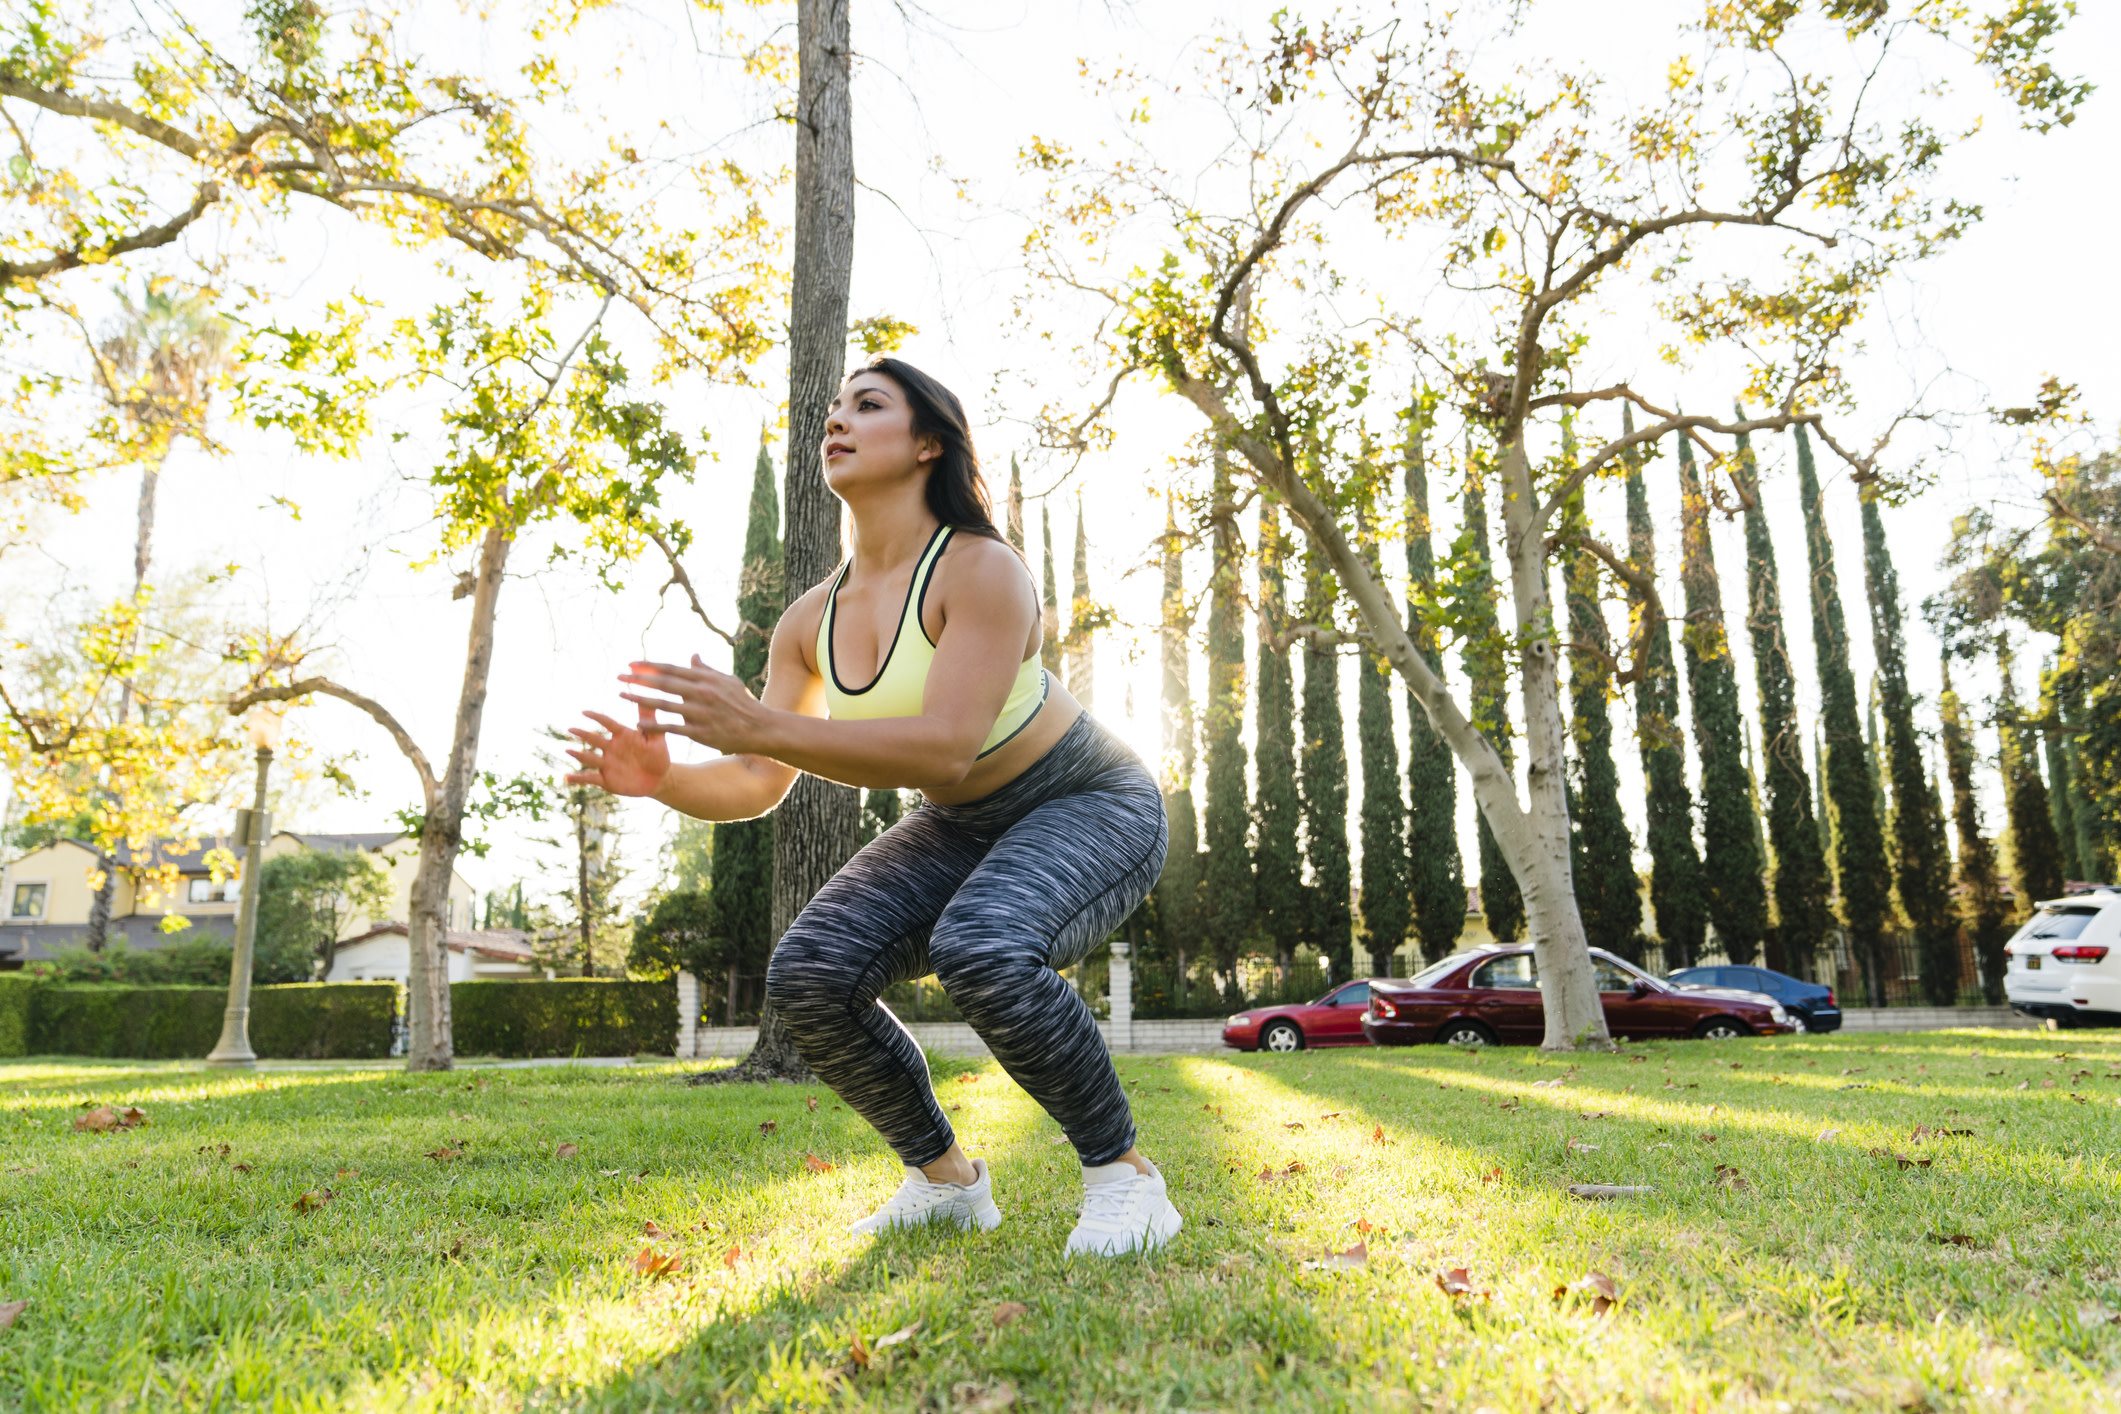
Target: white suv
<point>2065,963</point>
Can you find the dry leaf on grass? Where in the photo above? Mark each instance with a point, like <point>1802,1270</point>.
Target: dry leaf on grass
<point>1270,1174</point>
<point>567,1151</point>
<point>1826,1134</point>
<point>9,1310</point>
<point>1547,1084</point>
<point>1594,1114</point>
<point>103,1119</point>
<point>1357,1257</point>
<point>651,1263</point>
<point>347,1173</point>
<point>1727,1176</point>
<point>968,1080</point>
<point>649,1229</point>
<point>444,1155</point>
<point>1332,1114</point>
<point>2047,1082</point>
<point>214,1151</point>
<point>1213,1109</point>
<point>899,1336</point>
<point>811,1102</point>
<point>1493,1175</point>
<point>767,1126</point>
<point>312,1199</point>
<point>1708,1138</point>
<point>731,1257</point>
<point>1921,1130</point>
<point>611,1173</point>
<point>2021,1085</point>
<point>240,1168</point>
<point>1577,1146</point>
<point>816,1164</point>
<point>1602,1191</point>
<point>1009,1311</point>
<point>1292,1124</point>
<point>1513,1103</point>
<point>1596,1285</point>
<point>1457,1283</point>
<point>1377,1135</point>
<point>1954,1239</point>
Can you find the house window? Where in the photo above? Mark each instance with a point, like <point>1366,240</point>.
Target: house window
<point>207,891</point>
<point>29,901</point>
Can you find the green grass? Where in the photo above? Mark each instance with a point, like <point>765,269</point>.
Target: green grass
<point>164,1277</point>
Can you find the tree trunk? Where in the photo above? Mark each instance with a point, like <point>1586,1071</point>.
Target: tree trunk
<point>143,553</point>
<point>430,1045</point>
<point>815,828</point>
<point>581,873</point>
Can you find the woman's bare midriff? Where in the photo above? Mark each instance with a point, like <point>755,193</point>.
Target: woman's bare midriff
<point>1015,757</point>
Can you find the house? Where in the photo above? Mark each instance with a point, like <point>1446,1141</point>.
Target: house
<point>47,894</point>
<point>383,953</point>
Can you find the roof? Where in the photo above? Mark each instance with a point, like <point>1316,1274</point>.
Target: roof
<point>371,841</point>
<point>193,861</point>
<point>507,943</point>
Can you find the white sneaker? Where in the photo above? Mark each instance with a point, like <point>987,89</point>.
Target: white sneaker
<point>919,1200</point>
<point>1124,1210</point>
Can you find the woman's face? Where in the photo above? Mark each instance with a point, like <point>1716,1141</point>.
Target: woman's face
<point>869,439</point>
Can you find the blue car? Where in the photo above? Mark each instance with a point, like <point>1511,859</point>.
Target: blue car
<point>1810,1005</point>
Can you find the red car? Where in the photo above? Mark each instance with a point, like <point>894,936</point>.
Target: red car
<point>1335,1019</point>
<point>1491,997</point>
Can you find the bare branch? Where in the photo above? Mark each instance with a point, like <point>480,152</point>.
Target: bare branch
<point>153,236</point>
<point>2099,535</point>
<point>239,703</point>
<point>683,581</point>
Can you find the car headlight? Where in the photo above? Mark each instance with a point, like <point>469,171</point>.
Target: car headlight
<point>1781,1016</point>
<point>1237,1020</point>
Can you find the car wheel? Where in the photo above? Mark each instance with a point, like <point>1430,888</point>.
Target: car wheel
<point>1720,1028</point>
<point>1281,1036</point>
<point>1465,1033</point>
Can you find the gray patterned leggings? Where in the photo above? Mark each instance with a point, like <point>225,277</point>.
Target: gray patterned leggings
<point>992,897</point>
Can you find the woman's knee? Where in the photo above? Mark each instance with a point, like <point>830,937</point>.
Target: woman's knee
<point>801,978</point>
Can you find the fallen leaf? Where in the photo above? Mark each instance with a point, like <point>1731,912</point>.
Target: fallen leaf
<point>811,1101</point>
<point>1356,1256</point>
<point>1458,1282</point>
<point>1364,1226</point>
<point>1548,1084</point>
<point>651,1263</point>
<point>240,1168</point>
<point>2021,1085</point>
<point>857,1352</point>
<point>1727,1176</point>
<point>1596,1285</point>
<point>1913,1163</point>
<point>816,1164</point>
<point>1493,1175</point>
<point>1953,1239</point>
<point>1708,1138</point>
<point>1855,1070</point>
<point>1292,1124</point>
<point>1269,1174</point>
<point>1009,1311</point>
<point>1714,1108</point>
<point>213,1151</point>
<point>444,1155</point>
<point>610,1173</point>
<point>1213,1109</point>
<point>9,1310</point>
<point>1664,1146</point>
<point>1599,1192</point>
<point>1513,1103</point>
<point>1332,1114</point>
<point>968,1080</point>
<point>100,1120</point>
<point>1594,1114</point>
<point>1998,1072</point>
<point>898,1337</point>
<point>567,1151</point>
<point>1377,1135</point>
<point>729,1258</point>
<point>456,1250</point>
<point>1577,1146</point>
<point>347,1173</point>
<point>2047,1082</point>
<point>1827,1134</point>
<point>767,1126</point>
<point>130,1116</point>
<point>312,1199</point>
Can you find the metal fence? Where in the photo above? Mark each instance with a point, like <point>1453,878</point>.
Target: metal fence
<point>1898,981</point>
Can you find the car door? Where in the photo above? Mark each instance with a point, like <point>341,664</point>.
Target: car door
<point>1337,1020</point>
<point>1506,997</point>
<point>1626,1014</point>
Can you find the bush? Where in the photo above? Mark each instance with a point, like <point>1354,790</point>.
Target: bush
<point>573,1016</point>
<point>188,962</point>
<point>17,990</point>
<point>305,1021</point>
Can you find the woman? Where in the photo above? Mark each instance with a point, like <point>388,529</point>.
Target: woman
<point>917,665</point>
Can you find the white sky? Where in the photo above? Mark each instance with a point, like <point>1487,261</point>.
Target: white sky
<point>2028,293</point>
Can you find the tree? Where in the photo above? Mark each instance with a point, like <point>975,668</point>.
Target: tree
<point>1226,883</point>
<point>1015,525</point>
<point>1083,620</point>
<point>1277,858</point>
<point>1436,871</point>
<point>1386,908</point>
<point>1050,640</point>
<point>1675,867</point>
<point>2035,852</point>
<point>1983,910</point>
<point>1859,837</point>
<point>1324,778</point>
<point>1601,853</point>
<point>1473,586</point>
<point>1800,884</point>
<point>880,811</point>
<point>306,899</point>
<point>2061,798</point>
<point>1539,204</point>
<point>1178,888</point>
<point>1733,874</point>
<point>1922,862</point>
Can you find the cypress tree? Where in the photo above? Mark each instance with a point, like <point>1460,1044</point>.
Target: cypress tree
<point>1675,869</point>
<point>1858,834</point>
<point>2061,795</point>
<point>1436,872</point>
<point>1502,904</point>
<point>1178,889</point>
<point>1922,862</point>
<point>2036,854</point>
<point>740,892</point>
<point>1324,779</point>
<point>1601,854</point>
<point>1983,910</point>
<point>880,811</point>
<point>1732,872</point>
<point>1050,642</point>
<point>1082,657</point>
<point>1016,506</point>
<point>1384,823</point>
<point>1226,888</point>
<point>1800,885</point>
<point>1277,859</point>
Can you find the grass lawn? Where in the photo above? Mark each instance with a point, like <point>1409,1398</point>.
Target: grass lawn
<point>463,1259</point>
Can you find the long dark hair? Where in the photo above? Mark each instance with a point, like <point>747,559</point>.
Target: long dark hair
<point>957,493</point>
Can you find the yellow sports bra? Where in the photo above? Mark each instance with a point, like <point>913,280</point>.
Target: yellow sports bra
<point>900,682</point>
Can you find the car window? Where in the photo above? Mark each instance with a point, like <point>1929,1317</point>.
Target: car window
<point>1512,973</point>
<point>1612,977</point>
<point>1750,978</point>
<point>2061,923</point>
<point>1355,994</point>
<point>1435,972</point>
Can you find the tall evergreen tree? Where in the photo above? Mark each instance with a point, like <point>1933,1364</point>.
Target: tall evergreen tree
<point>1983,910</point>
<point>740,892</point>
<point>1675,868</point>
<point>1733,875</point>
<point>1436,872</point>
<point>1277,857</point>
<point>2036,854</point>
<point>1178,889</point>
<point>1800,884</point>
<point>1050,643</point>
<point>1601,854</point>
<point>1226,886</point>
<point>2061,794</point>
<point>1385,905</point>
<point>1324,776</point>
<point>1922,862</point>
<point>1082,619</point>
<point>1016,506</point>
<point>881,808</point>
<point>1502,904</point>
<point>1859,859</point>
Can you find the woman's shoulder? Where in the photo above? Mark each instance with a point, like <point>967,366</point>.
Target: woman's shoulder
<point>804,617</point>
<point>984,560</point>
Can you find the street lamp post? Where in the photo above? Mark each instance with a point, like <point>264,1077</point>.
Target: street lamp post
<point>253,828</point>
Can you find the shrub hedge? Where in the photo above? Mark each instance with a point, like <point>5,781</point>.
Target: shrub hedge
<point>16,992</point>
<point>300,1021</point>
<point>571,1016</point>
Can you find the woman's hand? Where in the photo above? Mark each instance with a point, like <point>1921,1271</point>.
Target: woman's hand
<point>621,759</point>
<point>711,707</point>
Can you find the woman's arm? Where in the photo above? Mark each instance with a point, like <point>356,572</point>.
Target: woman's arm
<point>988,612</point>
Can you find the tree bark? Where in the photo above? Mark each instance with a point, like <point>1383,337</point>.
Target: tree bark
<point>431,1045</point>
<point>816,827</point>
<point>143,552</point>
